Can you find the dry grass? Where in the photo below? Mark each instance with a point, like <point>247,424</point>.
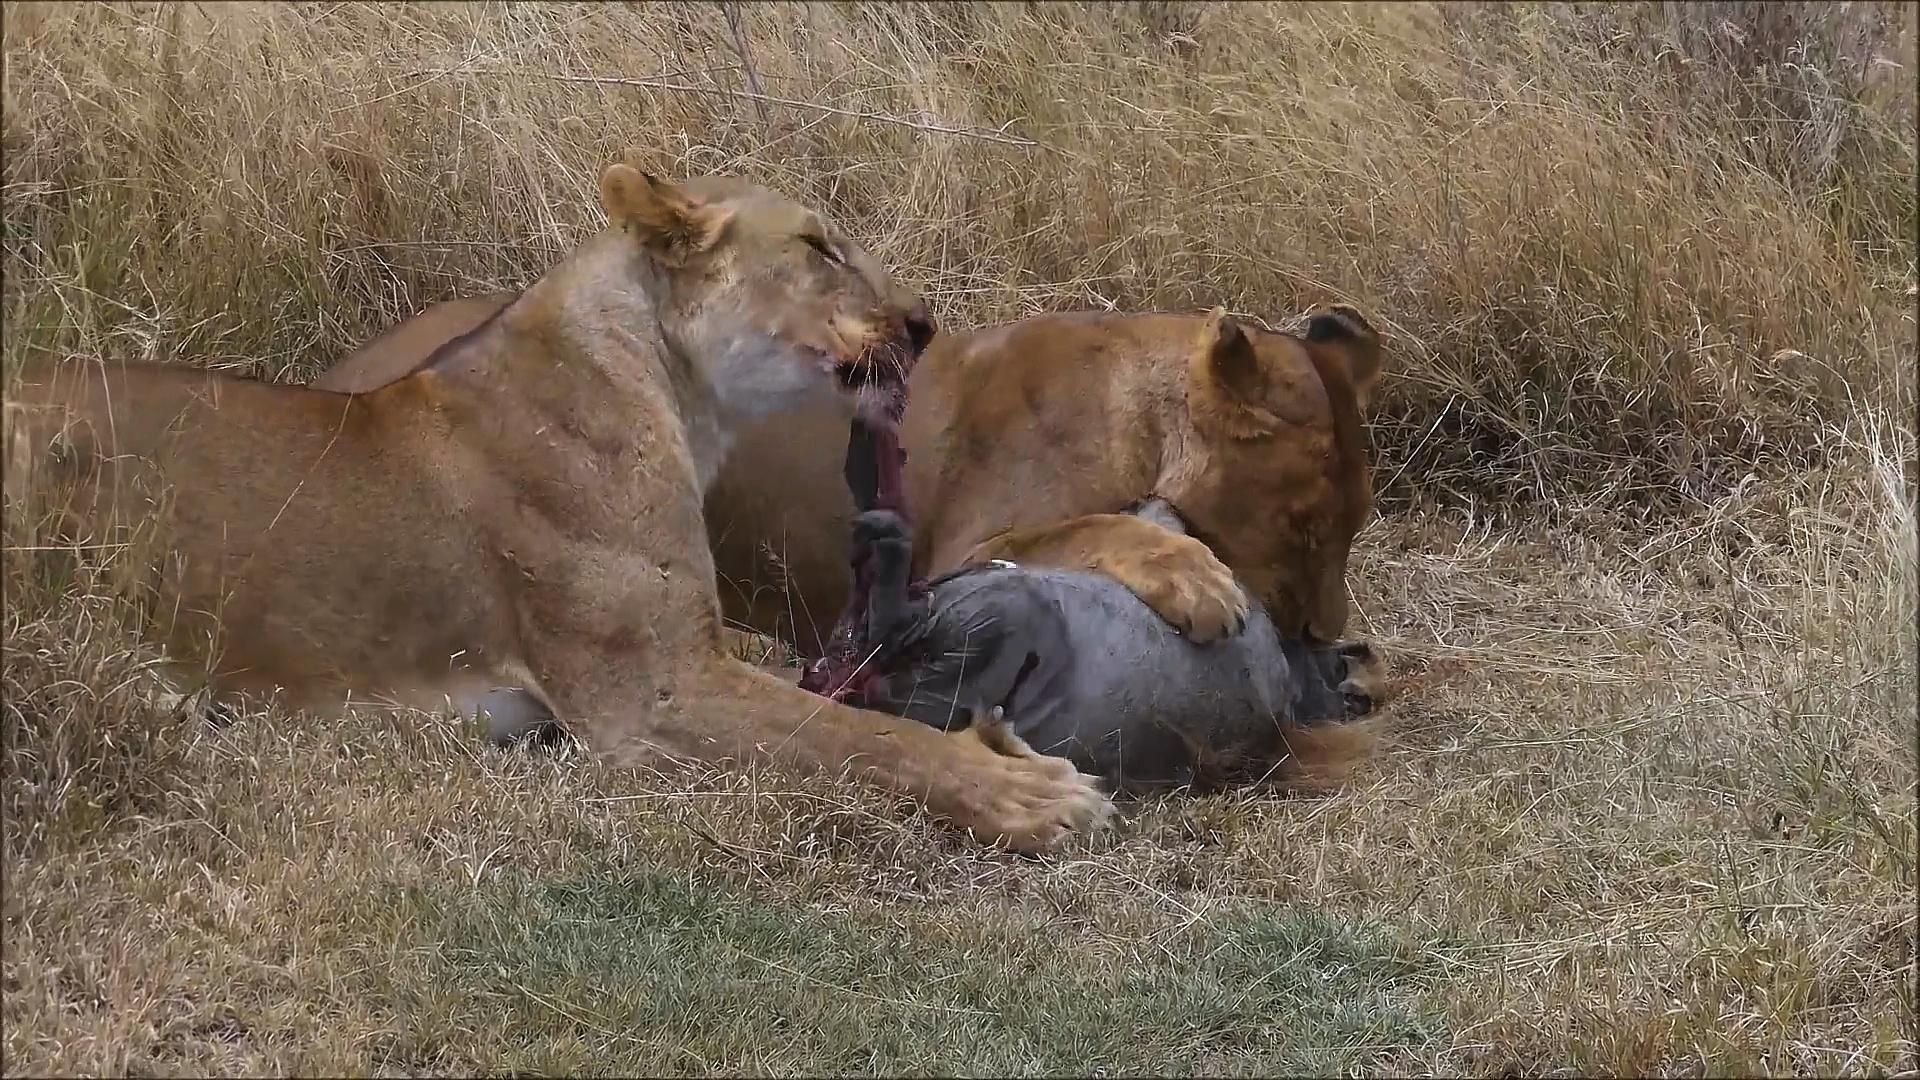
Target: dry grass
<point>1648,556</point>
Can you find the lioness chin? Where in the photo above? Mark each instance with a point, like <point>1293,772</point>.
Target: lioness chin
<point>524,508</point>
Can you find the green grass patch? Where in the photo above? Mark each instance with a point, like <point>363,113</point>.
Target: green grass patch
<point>645,973</point>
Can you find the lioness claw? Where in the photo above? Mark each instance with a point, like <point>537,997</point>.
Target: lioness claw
<point>1194,591</point>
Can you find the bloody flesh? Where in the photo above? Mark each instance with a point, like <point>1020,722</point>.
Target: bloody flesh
<point>873,475</point>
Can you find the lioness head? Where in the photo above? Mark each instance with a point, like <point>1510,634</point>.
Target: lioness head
<point>1275,425</point>
<point>770,300</point>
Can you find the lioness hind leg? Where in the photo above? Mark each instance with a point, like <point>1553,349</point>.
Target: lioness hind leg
<point>1177,576</point>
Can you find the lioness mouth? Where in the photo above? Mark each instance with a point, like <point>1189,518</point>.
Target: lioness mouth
<point>877,379</point>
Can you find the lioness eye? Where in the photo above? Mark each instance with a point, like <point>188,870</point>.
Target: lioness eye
<point>827,251</point>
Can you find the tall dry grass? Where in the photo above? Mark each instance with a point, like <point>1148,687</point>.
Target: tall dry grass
<point>1619,248</point>
<point>1646,446</point>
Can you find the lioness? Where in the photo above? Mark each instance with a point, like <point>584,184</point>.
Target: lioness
<point>1029,441</point>
<point>1077,666</point>
<point>524,509</point>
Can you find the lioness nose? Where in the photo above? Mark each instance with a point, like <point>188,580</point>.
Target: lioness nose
<point>920,326</point>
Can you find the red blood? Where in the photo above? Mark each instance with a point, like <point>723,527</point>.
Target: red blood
<point>842,672</point>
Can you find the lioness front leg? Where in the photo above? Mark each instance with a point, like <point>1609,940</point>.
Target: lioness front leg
<point>712,707</point>
<point>1177,576</point>
<point>992,784</point>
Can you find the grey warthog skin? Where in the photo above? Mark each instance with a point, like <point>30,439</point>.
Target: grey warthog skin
<point>1083,669</point>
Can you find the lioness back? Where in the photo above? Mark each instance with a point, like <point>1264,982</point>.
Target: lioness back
<point>403,348</point>
<point>274,469</point>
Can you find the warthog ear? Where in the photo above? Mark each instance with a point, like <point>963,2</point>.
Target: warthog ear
<point>1348,335</point>
<point>1227,389</point>
<point>668,219</point>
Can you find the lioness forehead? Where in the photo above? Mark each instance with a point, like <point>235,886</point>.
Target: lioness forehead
<point>759,208</point>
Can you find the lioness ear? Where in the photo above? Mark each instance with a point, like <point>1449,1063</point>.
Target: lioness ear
<point>671,222</point>
<point>1347,331</point>
<point>1226,386</point>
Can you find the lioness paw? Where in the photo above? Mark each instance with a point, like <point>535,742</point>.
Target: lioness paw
<point>1031,803</point>
<point>1189,588</point>
<point>1215,611</point>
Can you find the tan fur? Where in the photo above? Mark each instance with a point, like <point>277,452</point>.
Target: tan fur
<point>524,507</point>
<point>764,512</point>
<point>1025,442</point>
<point>1321,757</point>
<point>1022,440</point>
<point>1366,672</point>
<point>400,350</point>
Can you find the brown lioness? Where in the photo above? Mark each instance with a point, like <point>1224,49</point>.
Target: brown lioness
<point>524,509</point>
<point>1029,441</point>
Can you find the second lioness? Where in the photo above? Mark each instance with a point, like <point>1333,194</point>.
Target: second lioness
<point>1077,666</point>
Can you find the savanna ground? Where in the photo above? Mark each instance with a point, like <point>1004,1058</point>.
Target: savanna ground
<point>1645,557</point>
